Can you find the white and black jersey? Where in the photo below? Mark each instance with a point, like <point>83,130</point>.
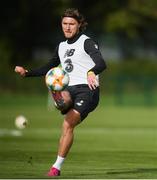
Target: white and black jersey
<point>77,56</point>
<point>75,61</point>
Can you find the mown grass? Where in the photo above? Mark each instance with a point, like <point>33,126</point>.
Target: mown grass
<point>114,142</point>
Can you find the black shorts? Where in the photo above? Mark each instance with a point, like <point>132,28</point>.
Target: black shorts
<point>84,99</point>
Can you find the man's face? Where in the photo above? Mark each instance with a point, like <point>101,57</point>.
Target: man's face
<point>70,27</point>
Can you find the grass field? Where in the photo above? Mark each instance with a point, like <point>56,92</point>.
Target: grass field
<point>114,142</point>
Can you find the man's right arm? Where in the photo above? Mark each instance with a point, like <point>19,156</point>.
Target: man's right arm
<point>54,61</point>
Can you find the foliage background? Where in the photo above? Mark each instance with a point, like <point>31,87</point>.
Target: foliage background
<point>122,130</point>
<point>124,29</point>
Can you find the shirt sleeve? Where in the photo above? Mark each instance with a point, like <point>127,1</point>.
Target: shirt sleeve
<point>93,51</point>
<point>53,62</point>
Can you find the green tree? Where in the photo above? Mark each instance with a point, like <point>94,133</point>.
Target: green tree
<point>137,18</point>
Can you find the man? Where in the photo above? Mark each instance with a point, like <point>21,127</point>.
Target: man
<point>81,59</point>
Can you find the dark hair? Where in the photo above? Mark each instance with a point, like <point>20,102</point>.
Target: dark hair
<point>74,13</point>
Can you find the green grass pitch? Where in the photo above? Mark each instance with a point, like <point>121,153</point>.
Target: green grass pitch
<point>114,142</point>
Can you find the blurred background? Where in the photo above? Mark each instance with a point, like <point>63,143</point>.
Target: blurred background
<point>122,131</point>
<point>124,29</point>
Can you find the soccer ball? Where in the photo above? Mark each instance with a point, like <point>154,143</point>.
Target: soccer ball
<point>21,122</point>
<point>56,79</point>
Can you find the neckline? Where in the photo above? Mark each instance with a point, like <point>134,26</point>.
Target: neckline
<point>74,39</point>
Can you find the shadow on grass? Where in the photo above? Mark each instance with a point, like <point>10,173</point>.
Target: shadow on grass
<point>112,173</point>
<point>138,170</point>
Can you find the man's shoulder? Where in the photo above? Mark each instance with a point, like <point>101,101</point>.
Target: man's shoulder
<point>62,43</point>
<point>84,36</point>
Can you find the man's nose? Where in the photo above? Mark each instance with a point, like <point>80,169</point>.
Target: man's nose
<point>68,27</point>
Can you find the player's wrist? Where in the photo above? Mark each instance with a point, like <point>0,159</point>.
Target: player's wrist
<point>90,73</point>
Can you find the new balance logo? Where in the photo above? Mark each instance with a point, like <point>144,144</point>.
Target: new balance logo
<point>69,52</point>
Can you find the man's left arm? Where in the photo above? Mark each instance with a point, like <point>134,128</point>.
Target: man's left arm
<point>92,49</point>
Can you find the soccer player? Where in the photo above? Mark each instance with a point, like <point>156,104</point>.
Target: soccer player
<point>80,57</point>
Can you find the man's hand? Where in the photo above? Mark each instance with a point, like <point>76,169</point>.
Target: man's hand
<point>92,81</point>
<point>20,70</point>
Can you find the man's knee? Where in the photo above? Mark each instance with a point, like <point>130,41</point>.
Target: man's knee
<point>63,102</point>
<point>68,126</point>
<point>72,118</point>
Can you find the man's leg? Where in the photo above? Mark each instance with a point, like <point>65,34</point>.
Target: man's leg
<point>71,120</point>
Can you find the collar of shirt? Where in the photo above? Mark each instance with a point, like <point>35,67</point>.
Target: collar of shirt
<point>74,39</point>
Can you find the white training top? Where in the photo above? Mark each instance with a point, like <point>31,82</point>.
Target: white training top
<point>75,61</point>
